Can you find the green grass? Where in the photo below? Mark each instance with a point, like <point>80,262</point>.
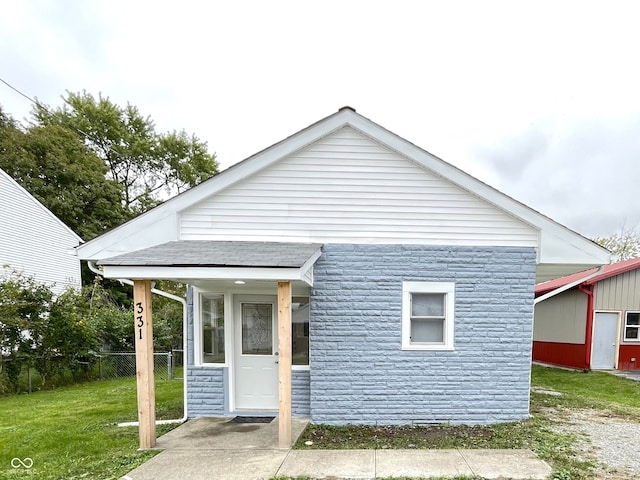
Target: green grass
<point>72,433</point>
<point>598,390</point>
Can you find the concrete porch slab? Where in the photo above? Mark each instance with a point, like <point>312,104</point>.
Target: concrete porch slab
<point>218,434</point>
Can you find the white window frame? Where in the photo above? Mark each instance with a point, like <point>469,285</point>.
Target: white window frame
<point>446,288</point>
<point>198,336</point>
<point>632,326</point>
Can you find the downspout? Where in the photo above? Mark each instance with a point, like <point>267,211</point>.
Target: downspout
<point>162,293</point>
<point>588,334</point>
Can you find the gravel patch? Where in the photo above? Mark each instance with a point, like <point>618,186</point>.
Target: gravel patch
<point>614,442</point>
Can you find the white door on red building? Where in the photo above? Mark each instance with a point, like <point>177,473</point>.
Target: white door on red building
<point>605,335</point>
<point>255,345</point>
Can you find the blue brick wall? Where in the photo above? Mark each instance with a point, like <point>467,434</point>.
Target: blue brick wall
<point>300,393</point>
<point>359,374</point>
<point>206,392</point>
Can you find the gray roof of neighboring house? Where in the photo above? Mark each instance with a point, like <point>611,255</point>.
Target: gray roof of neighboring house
<point>205,253</point>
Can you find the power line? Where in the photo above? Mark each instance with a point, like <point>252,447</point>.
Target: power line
<point>35,102</point>
<point>73,127</point>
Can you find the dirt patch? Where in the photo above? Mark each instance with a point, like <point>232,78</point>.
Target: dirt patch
<point>424,436</point>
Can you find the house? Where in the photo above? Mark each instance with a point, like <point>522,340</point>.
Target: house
<point>347,275</point>
<point>34,241</point>
<point>594,323</point>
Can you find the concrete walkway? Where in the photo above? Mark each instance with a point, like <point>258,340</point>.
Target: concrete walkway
<point>211,448</point>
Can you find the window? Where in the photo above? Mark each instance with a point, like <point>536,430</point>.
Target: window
<point>632,327</point>
<point>300,330</point>
<point>213,329</point>
<point>427,315</point>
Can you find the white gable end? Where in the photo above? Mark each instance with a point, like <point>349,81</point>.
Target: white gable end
<point>348,188</point>
<point>35,242</point>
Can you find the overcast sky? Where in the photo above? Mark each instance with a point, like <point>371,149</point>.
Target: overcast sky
<point>538,99</point>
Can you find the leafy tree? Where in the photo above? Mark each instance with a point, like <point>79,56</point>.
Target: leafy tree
<point>112,322</point>
<point>67,341</point>
<point>52,164</point>
<point>623,245</point>
<point>168,317</point>
<point>148,165</point>
<point>23,313</point>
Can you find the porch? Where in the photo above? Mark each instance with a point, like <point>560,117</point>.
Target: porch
<point>259,352</point>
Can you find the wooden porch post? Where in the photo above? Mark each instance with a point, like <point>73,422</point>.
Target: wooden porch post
<point>144,363</point>
<point>284,366</point>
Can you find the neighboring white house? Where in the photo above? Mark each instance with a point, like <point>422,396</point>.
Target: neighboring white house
<point>34,241</point>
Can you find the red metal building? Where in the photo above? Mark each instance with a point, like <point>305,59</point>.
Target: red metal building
<point>594,323</point>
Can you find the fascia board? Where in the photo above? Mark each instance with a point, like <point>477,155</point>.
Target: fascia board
<point>201,273</point>
<point>101,247</point>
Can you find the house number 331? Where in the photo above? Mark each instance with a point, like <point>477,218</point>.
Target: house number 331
<point>140,322</point>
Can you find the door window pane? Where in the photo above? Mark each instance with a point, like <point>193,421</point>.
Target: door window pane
<point>213,329</point>
<point>257,329</point>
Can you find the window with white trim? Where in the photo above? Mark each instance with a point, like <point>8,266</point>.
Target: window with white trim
<point>212,314</point>
<point>427,315</point>
<point>632,327</point>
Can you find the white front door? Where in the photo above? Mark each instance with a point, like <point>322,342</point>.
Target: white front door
<point>605,334</point>
<point>255,346</point>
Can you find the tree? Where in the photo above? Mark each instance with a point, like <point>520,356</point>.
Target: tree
<point>112,322</point>
<point>168,317</point>
<point>23,312</point>
<point>67,341</point>
<point>623,245</point>
<point>149,166</point>
<point>52,164</point>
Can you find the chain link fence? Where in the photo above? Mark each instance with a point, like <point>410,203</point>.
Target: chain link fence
<point>102,366</point>
<point>123,364</point>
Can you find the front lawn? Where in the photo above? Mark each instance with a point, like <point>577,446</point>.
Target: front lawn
<point>72,433</point>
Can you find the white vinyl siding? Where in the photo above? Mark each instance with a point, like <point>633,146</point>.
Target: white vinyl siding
<point>347,188</point>
<point>34,241</point>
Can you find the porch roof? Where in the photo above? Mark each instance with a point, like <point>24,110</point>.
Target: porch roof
<point>202,259</point>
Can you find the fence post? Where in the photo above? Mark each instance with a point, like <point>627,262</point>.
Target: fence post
<point>100,366</point>
<point>169,366</point>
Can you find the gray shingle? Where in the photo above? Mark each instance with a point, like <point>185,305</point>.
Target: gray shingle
<point>204,253</point>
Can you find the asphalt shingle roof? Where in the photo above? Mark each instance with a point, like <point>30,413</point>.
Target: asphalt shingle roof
<point>204,253</point>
